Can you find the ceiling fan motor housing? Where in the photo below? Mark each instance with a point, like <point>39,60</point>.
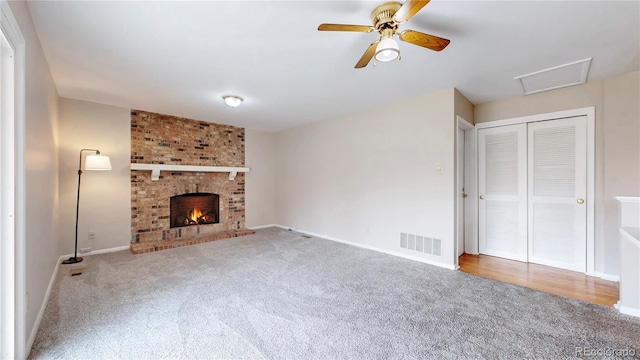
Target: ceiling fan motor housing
<point>382,15</point>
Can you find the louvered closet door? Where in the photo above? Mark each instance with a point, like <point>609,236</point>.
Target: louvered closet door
<point>502,185</point>
<point>557,193</point>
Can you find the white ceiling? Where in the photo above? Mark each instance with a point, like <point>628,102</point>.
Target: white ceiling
<point>179,58</point>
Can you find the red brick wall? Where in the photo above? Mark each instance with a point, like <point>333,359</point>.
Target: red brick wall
<point>164,139</point>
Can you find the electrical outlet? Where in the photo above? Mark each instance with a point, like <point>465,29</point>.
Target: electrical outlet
<point>92,234</point>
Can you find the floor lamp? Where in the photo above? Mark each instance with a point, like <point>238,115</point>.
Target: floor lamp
<point>92,162</point>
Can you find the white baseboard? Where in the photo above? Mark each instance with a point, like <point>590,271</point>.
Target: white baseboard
<point>604,276</point>
<point>262,227</point>
<point>285,227</point>
<point>43,306</point>
<point>96,252</point>
<point>627,310</point>
<point>615,278</point>
<point>373,248</point>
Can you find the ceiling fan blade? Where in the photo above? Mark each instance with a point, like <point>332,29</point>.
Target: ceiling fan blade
<point>410,8</point>
<point>425,40</point>
<point>368,55</point>
<point>344,27</point>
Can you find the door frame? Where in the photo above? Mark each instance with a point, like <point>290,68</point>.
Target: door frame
<point>13,260</point>
<point>460,191</point>
<point>470,180</point>
<point>590,113</point>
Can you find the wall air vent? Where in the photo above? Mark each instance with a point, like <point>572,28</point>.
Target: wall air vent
<point>570,74</point>
<point>421,244</point>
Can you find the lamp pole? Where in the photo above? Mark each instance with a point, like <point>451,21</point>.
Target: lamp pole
<point>75,259</point>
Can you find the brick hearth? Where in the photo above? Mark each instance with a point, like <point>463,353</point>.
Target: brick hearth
<point>164,139</point>
<point>140,248</point>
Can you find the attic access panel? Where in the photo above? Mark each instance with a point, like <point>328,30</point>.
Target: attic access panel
<point>570,74</point>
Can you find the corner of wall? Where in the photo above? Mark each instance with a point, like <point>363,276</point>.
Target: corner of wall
<point>463,107</point>
<point>105,198</point>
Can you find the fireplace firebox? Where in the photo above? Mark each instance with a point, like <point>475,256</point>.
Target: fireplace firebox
<point>194,209</point>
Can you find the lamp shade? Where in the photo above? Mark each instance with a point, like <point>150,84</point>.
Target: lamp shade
<point>97,162</point>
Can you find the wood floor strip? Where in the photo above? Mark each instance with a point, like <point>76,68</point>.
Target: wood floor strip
<point>561,282</point>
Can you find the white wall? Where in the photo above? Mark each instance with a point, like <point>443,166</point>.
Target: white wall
<point>621,155</point>
<point>105,196</point>
<point>617,143</point>
<point>260,182</point>
<point>369,176</point>
<point>41,159</point>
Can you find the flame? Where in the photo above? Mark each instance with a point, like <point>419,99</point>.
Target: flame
<point>194,215</point>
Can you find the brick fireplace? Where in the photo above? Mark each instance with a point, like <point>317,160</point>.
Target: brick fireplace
<point>206,205</point>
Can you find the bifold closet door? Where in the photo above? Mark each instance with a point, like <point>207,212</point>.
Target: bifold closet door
<point>557,152</point>
<point>502,186</point>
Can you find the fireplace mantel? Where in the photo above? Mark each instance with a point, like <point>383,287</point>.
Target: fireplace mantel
<point>156,168</point>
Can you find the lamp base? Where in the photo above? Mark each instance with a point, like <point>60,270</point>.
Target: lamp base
<point>72,260</point>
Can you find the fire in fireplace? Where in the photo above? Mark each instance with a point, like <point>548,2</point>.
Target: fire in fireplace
<point>194,209</point>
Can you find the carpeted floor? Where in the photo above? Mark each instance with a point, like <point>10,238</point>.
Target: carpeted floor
<point>278,295</point>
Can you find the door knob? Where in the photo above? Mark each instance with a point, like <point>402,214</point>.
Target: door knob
<point>481,197</point>
<point>580,201</point>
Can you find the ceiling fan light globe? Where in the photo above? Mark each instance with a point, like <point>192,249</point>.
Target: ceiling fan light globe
<point>387,50</point>
<point>232,100</point>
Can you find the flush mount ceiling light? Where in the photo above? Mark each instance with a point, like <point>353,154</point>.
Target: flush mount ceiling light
<point>387,49</point>
<point>232,100</point>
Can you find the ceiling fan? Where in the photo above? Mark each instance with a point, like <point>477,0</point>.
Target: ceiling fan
<point>386,19</point>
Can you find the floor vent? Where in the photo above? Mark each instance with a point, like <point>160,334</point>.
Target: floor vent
<point>421,244</point>
<point>76,272</point>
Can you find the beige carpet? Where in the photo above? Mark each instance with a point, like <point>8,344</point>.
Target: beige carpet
<point>277,295</point>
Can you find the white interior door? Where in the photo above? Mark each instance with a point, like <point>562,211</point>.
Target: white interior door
<point>460,191</point>
<point>557,152</point>
<point>502,188</point>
